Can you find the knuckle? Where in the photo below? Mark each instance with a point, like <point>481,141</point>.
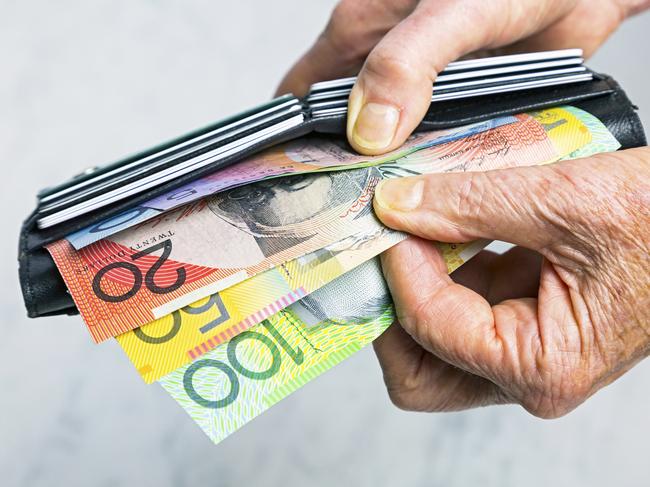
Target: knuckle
<point>559,397</point>
<point>573,191</point>
<point>347,11</point>
<point>406,392</point>
<point>402,399</point>
<point>550,409</point>
<point>599,196</point>
<point>471,197</point>
<point>388,63</point>
<point>417,320</point>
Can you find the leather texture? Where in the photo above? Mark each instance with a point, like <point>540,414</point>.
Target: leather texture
<point>45,293</point>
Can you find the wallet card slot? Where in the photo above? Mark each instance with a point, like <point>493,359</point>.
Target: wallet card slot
<point>511,59</point>
<point>175,151</point>
<point>501,70</point>
<point>443,83</point>
<point>174,171</point>
<point>94,172</point>
<point>496,88</point>
<point>439,88</point>
<point>194,149</point>
<point>340,107</point>
<point>509,63</point>
<point>453,86</point>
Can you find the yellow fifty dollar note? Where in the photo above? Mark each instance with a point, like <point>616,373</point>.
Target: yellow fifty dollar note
<point>162,346</point>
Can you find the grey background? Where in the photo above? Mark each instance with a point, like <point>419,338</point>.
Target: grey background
<point>87,82</point>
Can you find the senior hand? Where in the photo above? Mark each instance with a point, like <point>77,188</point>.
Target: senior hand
<point>548,323</point>
<point>544,328</point>
<point>405,43</point>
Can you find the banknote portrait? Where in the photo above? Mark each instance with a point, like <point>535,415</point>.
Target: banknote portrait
<point>284,211</point>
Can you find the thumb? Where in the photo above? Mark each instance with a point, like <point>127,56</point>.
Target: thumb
<point>394,87</point>
<point>525,206</point>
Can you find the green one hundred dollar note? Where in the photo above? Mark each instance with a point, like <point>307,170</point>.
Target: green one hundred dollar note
<point>237,381</point>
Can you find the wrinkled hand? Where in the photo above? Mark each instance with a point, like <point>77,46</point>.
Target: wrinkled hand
<point>545,327</point>
<point>548,323</point>
<point>405,43</point>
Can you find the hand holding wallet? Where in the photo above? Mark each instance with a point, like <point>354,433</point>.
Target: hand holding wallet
<point>232,295</point>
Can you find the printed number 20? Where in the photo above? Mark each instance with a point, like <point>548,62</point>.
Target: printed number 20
<point>166,246</point>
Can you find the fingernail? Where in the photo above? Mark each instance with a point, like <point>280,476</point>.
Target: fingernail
<point>375,126</point>
<point>399,194</point>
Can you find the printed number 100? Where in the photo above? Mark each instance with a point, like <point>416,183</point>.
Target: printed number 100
<point>234,368</point>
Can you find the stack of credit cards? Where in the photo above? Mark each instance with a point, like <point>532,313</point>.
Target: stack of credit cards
<point>100,187</point>
<point>476,77</point>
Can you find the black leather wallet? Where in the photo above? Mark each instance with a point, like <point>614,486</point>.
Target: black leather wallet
<point>44,291</point>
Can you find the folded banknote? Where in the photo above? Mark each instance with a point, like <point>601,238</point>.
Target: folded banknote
<point>164,345</point>
<point>291,259</point>
<point>159,347</point>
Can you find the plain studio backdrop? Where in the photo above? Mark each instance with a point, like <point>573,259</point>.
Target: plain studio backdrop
<point>89,82</point>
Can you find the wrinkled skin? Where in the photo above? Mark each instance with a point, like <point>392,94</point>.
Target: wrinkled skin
<point>556,318</point>
<point>545,327</point>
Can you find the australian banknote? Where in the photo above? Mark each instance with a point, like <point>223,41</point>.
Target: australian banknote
<point>601,139</point>
<point>148,272</point>
<point>176,339</point>
<point>322,326</point>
